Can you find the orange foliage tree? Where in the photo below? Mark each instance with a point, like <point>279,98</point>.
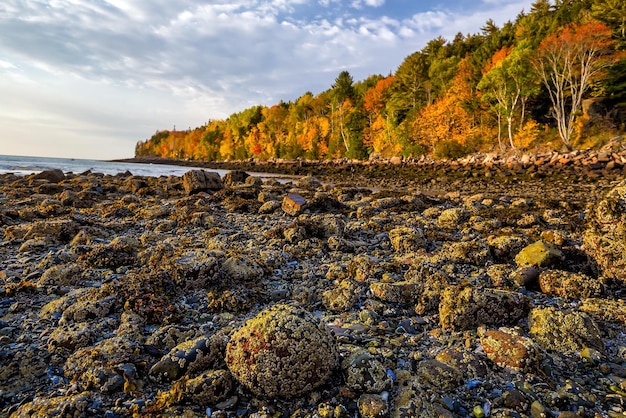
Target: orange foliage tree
<point>567,62</point>
<point>446,119</point>
<point>378,135</point>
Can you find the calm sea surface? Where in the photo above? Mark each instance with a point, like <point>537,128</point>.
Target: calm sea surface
<point>27,165</point>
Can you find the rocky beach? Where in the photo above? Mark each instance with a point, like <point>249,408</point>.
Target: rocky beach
<point>482,287</point>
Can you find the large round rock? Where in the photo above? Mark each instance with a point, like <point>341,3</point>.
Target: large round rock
<point>283,351</point>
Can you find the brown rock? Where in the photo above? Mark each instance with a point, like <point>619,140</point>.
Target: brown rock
<point>234,177</point>
<point>509,350</point>
<point>195,181</point>
<point>469,363</point>
<point>293,204</point>
<point>53,176</point>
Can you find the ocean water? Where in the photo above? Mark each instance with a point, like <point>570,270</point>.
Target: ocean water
<point>21,165</point>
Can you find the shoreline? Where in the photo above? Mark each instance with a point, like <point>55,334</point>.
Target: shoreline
<point>608,163</point>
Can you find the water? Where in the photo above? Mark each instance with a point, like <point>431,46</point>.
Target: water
<point>21,165</point>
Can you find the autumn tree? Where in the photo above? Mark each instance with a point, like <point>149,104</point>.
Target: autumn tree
<point>379,132</point>
<point>567,61</point>
<point>507,85</point>
<point>446,120</point>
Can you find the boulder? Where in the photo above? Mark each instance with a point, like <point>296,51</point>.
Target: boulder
<point>564,331</point>
<point>196,181</point>
<point>569,285</point>
<point>283,351</point>
<point>509,350</point>
<point>293,204</point>
<point>605,237</point>
<point>540,254</point>
<point>468,307</point>
<point>53,176</point>
<point>235,177</point>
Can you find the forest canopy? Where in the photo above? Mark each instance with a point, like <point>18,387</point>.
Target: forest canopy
<point>554,78</point>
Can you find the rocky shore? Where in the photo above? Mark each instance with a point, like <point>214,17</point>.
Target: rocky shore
<point>465,289</point>
<point>608,162</point>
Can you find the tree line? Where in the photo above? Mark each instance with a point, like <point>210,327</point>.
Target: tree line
<point>520,86</point>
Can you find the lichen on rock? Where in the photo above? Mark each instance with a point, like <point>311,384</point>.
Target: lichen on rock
<point>283,351</point>
<point>564,331</point>
<point>605,238</point>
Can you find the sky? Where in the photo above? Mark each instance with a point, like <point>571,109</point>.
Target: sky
<point>90,78</point>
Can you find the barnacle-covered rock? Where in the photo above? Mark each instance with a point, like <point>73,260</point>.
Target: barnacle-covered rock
<point>405,239</point>
<point>79,334</point>
<point>169,336</point>
<point>474,251</point>
<point>85,310</point>
<point>364,373</point>
<point>439,374</point>
<point>96,366</point>
<point>195,181</point>
<point>564,331</point>
<point>431,282</point>
<point>64,275</point>
<point>283,351</point>
<point>60,231</point>
<point>605,309</point>
<point>605,238</point>
<point>237,298</point>
<point>505,247</point>
<point>203,353</point>
<point>195,270</point>
<point>58,306</point>
<point>397,292</point>
<point>372,406</point>
<point>342,297</point>
<point>122,251</point>
<point>365,268</point>
<point>569,285</point>
<point>209,387</point>
<point>411,399</point>
<point>506,349</point>
<point>308,182</point>
<point>57,406</point>
<point>469,307</point>
<point>235,177</point>
<point>241,269</point>
<point>452,217</point>
<point>468,362</point>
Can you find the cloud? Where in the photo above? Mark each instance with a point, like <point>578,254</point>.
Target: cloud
<point>182,62</point>
<point>358,4</point>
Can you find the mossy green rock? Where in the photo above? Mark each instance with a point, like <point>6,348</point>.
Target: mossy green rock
<point>539,254</point>
<point>284,351</point>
